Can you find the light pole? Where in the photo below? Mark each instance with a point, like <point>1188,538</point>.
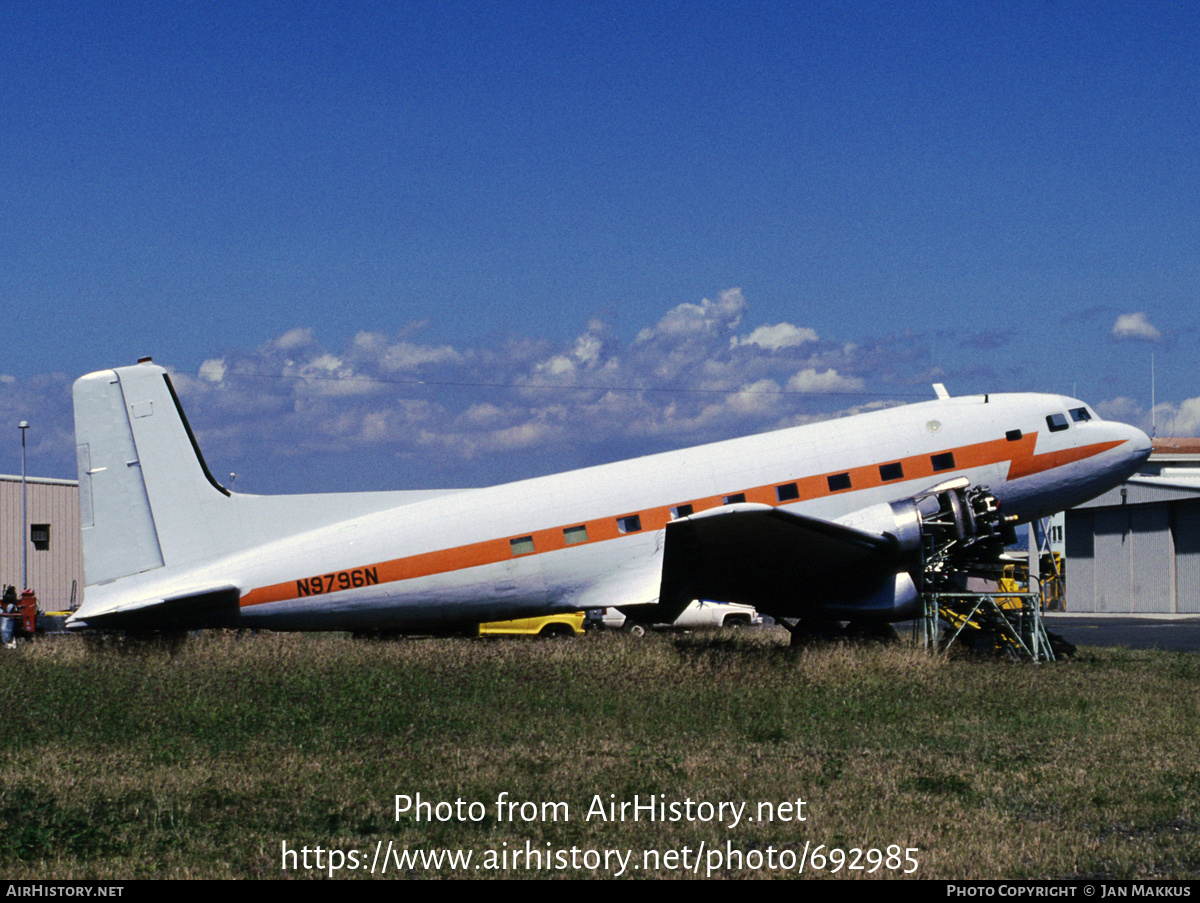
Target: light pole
<point>23,426</point>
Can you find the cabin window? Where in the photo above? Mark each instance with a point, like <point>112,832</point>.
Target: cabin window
<point>787,492</point>
<point>573,535</point>
<point>630,524</point>
<point>522,545</point>
<point>1057,422</point>
<point>894,471</point>
<point>1013,435</point>
<point>683,511</point>
<point>1079,415</point>
<point>734,499</point>
<point>838,482</point>
<point>944,461</point>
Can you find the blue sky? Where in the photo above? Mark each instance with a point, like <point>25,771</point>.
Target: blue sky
<point>735,216</point>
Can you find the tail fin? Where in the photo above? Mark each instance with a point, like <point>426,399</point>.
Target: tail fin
<point>156,525</point>
<point>147,499</point>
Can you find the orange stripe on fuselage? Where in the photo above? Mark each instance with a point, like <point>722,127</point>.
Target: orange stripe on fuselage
<point>1020,453</point>
<point>1028,465</point>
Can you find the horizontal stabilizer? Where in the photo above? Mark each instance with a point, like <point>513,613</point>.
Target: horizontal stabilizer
<point>211,607</point>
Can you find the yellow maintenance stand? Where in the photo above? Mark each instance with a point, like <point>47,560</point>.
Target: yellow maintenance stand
<point>1008,621</point>
<point>1001,623</point>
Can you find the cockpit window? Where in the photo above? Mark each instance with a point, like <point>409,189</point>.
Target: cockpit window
<point>1079,415</point>
<point>1057,422</point>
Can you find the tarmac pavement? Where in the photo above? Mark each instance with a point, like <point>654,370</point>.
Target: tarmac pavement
<point>1176,633</point>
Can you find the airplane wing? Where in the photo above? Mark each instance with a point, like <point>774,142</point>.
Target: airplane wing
<point>777,560</point>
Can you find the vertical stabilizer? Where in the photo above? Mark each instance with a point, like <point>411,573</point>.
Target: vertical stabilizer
<point>147,498</point>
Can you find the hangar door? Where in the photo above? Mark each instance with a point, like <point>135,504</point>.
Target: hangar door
<point>1134,559</point>
<point>1187,558</point>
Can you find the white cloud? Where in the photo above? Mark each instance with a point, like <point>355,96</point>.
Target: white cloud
<point>392,411</point>
<point>1167,418</point>
<point>585,355</point>
<point>1178,420</point>
<point>773,338</point>
<point>1122,408</point>
<point>45,402</point>
<point>401,355</point>
<point>330,376</point>
<point>559,365</point>
<point>689,321</point>
<point>755,398</point>
<point>809,380</point>
<point>292,339</point>
<point>1136,327</point>
<point>324,365</point>
<point>483,414</point>
<point>213,370</point>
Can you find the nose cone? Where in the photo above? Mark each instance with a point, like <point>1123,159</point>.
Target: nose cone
<point>1137,448</point>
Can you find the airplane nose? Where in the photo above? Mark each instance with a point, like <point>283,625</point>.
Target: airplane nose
<point>1137,448</point>
<point>1140,445</point>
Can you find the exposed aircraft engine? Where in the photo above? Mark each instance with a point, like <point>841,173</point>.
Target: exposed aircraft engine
<point>950,521</point>
<point>940,537</point>
<point>966,535</point>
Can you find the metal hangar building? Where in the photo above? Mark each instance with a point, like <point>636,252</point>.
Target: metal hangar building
<point>1136,549</point>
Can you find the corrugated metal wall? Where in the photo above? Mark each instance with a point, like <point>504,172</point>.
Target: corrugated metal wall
<point>1134,559</point>
<point>1151,559</point>
<point>52,570</point>
<point>1112,560</point>
<point>1186,524</point>
<point>1080,565</point>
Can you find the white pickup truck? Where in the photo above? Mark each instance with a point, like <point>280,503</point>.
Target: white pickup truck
<point>700,613</point>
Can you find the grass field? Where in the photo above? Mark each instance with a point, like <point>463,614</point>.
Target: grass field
<point>205,760</point>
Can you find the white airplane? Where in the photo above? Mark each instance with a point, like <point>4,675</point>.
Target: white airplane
<point>823,522</point>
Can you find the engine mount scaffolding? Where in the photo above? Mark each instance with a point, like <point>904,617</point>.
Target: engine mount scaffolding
<point>1001,623</point>
<point>966,538</point>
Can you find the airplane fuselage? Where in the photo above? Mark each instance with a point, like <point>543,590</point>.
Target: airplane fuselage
<point>594,537</point>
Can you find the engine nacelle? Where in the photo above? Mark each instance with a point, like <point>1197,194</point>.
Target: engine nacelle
<point>893,597</point>
<point>954,514</point>
<point>902,520</point>
<point>940,537</point>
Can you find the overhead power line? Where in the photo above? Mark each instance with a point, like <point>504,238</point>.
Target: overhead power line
<point>476,384</point>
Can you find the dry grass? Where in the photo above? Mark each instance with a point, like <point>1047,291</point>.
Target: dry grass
<point>121,762</point>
